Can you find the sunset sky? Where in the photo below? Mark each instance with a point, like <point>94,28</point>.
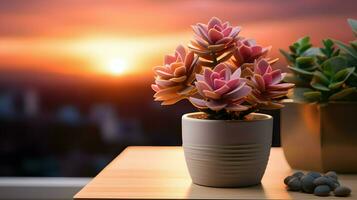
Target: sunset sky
<point>111,37</point>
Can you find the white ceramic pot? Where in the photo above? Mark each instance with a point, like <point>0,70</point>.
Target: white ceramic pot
<point>226,153</point>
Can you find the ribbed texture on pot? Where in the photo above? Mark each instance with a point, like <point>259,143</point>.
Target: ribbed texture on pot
<point>228,165</point>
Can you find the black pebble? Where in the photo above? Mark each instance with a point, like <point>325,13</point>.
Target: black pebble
<point>294,184</point>
<point>322,190</point>
<point>298,174</point>
<point>287,179</point>
<point>325,181</point>
<point>335,181</point>
<point>307,184</point>
<point>332,174</point>
<point>314,174</point>
<point>342,191</point>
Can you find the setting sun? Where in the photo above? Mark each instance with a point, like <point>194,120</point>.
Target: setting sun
<point>117,66</point>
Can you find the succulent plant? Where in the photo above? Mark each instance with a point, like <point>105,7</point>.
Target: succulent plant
<point>236,79</point>
<point>267,86</point>
<point>221,89</point>
<point>214,42</point>
<point>323,74</point>
<point>350,52</point>
<point>173,79</point>
<point>302,58</point>
<point>248,51</point>
<point>329,83</point>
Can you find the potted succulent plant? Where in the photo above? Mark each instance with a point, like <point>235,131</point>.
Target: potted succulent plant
<point>228,79</point>
<point>318,127</point>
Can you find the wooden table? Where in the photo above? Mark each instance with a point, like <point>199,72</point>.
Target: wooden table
<point>161,173</point>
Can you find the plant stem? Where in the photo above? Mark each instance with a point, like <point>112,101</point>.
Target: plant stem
<point>214,59</point>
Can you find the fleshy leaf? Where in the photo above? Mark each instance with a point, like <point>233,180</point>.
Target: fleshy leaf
<point>334,64</point>
<point>343,75</point>
<point>287,56</point>
<point>343,93</point>
<point>320,78</point>
<point>313,51</point>
<point>313,95</point>
<point>317,83</point>
<point>350,50</point>
<point>319,86</point>
<point>353,24</point>
<point>305,62</point>
<point>300,71</point>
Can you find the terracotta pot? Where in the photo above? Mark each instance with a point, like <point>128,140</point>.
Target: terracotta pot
<point>226,153</point>
<point>320,137</point>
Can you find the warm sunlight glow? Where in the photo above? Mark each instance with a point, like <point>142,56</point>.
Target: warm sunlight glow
<point>117,66</point>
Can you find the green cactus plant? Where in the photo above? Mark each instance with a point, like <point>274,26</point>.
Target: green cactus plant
<point>323,74</point>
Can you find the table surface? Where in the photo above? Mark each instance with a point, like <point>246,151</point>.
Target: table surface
<point>161,173</point>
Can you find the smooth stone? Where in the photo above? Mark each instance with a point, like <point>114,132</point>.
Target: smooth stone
<point>322,190</point>
<point>294,184</point>
<point>287,179</point>
<point>307,183</point>
<point>314,174</point>
<point>332,174</point>
<point>298,174</point>
<point>325,181</point>
<point>335,181</point>
<point>342,191</point>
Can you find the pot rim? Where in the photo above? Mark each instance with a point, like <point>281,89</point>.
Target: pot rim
<point>188,117</point>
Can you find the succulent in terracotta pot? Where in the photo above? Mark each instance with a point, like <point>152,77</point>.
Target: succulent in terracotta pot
<point>228,79</point>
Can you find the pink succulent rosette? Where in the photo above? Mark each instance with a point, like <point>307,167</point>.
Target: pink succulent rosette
<point>267,86</point>
<point>237,79</point>
<point>214,42</point>
<point>248,51</point>
<point>221,89</point>
<point>173,80</point>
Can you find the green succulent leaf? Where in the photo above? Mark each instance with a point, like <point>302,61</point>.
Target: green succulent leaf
<point>328,50</point>
<point>303,44</point>
<point>354,44</point>
<point>320,78</point>
<point>327,43</point>
<point>293,48</point>
<point>343,94</point>
<point>287,56</point>
<point>311,52</point>
<point>300,71</point>
<point>343,75</point>
<point>319,86</point>
<point>313,95</point>
<point>352,80</point>
<point>320,82</point>
<point>306,63</point>
<point>353,24</point>
<point>333,65</point>
<point>334,86</point>
<point>349,50</point>
<point>304,41</point>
